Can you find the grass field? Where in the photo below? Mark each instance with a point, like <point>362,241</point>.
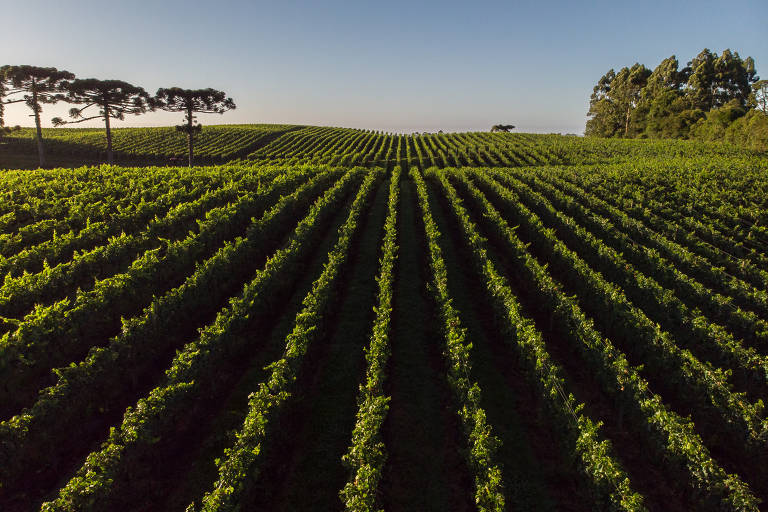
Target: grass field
<point>337,319</point>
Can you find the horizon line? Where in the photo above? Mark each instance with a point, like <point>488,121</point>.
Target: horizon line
<point>303,125</point>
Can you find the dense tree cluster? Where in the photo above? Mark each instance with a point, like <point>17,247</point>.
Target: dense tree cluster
<point>37,86</point>
<point>713,98</point>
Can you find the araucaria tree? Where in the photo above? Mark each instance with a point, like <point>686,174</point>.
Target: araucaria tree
<point>191,101</point>
<point>34,86</point>
<point>114,99</point>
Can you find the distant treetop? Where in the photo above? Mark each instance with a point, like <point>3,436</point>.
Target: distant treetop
<point>702,100</point>
<point>113,98</point>
<point>192,101</point>
<point>204,101</point>
<point>34,86</point>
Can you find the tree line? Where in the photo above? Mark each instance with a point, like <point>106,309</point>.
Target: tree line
<point>712,98</point>
<point>102,99</point>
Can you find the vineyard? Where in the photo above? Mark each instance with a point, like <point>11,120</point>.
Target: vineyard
<point>319,145</point>
<point>343,319</point>
<point>139,146</point>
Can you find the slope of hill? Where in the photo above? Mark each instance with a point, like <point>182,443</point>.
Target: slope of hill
<point>138,146</point>
<point>530,322</point>
<point>339,146</point>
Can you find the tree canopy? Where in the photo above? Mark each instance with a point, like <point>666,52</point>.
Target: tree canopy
<point>615,100</point>
<point>671,102</point>
<point>35,86</point>
<point>502,127</point>
<point>192,101</point>
<point>114,98</point>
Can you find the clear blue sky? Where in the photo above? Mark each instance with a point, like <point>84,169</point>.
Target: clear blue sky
<point>392,65</point>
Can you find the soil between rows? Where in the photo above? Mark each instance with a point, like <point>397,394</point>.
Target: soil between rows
<point>425,468</point>
<point>537,474</point>
<point>41,483</point>
<point>660,491</point>
<point>302,467</point>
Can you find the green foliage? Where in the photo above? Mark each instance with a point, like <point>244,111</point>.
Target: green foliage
<point>209,101</point>
<point>239,463</point>
<point>482,443</point>
<point>609,481</point>
<point>713,127</point>
<point>145,146</point>
<point>196,365</point>
<point>670,116</point>
<point>6,130</point>
<point>113,98</point>
<point>614,103</point>
<point>64,403</point>
<point>36,86</point>
<point>674,435</point>
<point>367,453</point>
<point>673,103</point>
<point>715,81</point>
<point>749,131</point>
<point>291,145</point>
<point>640,265</point>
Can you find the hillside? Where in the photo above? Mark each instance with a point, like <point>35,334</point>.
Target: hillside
<point>344,319</point>
<point>289,144</point>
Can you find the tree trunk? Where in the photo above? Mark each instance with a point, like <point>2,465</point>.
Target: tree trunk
<point>110,156</point>
<point>626,122</point>
<point>190,136</point>
<point>36,109</point>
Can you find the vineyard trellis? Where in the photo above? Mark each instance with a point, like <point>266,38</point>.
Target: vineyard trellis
<point>264,333</point>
